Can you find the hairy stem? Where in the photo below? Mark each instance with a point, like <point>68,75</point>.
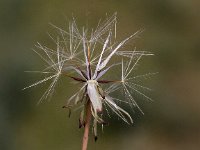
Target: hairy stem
<point>87,126</point>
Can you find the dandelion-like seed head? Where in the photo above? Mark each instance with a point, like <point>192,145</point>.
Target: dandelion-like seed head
<point>86,57</point>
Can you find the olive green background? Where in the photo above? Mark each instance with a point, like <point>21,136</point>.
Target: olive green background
<point>172,33</point>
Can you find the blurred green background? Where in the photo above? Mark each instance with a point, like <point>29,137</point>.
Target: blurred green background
<point>172,33</point>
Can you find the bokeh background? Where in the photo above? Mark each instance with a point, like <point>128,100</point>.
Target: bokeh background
<point>172,33</point>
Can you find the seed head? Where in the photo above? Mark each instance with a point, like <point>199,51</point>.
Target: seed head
<point>86,56</point>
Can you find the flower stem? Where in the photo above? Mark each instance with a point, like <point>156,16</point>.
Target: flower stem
<point>87,126</point>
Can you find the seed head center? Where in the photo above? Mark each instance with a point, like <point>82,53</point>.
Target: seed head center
<point>92,81</point>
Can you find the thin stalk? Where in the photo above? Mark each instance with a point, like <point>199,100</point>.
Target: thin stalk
<point>87,126</point>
